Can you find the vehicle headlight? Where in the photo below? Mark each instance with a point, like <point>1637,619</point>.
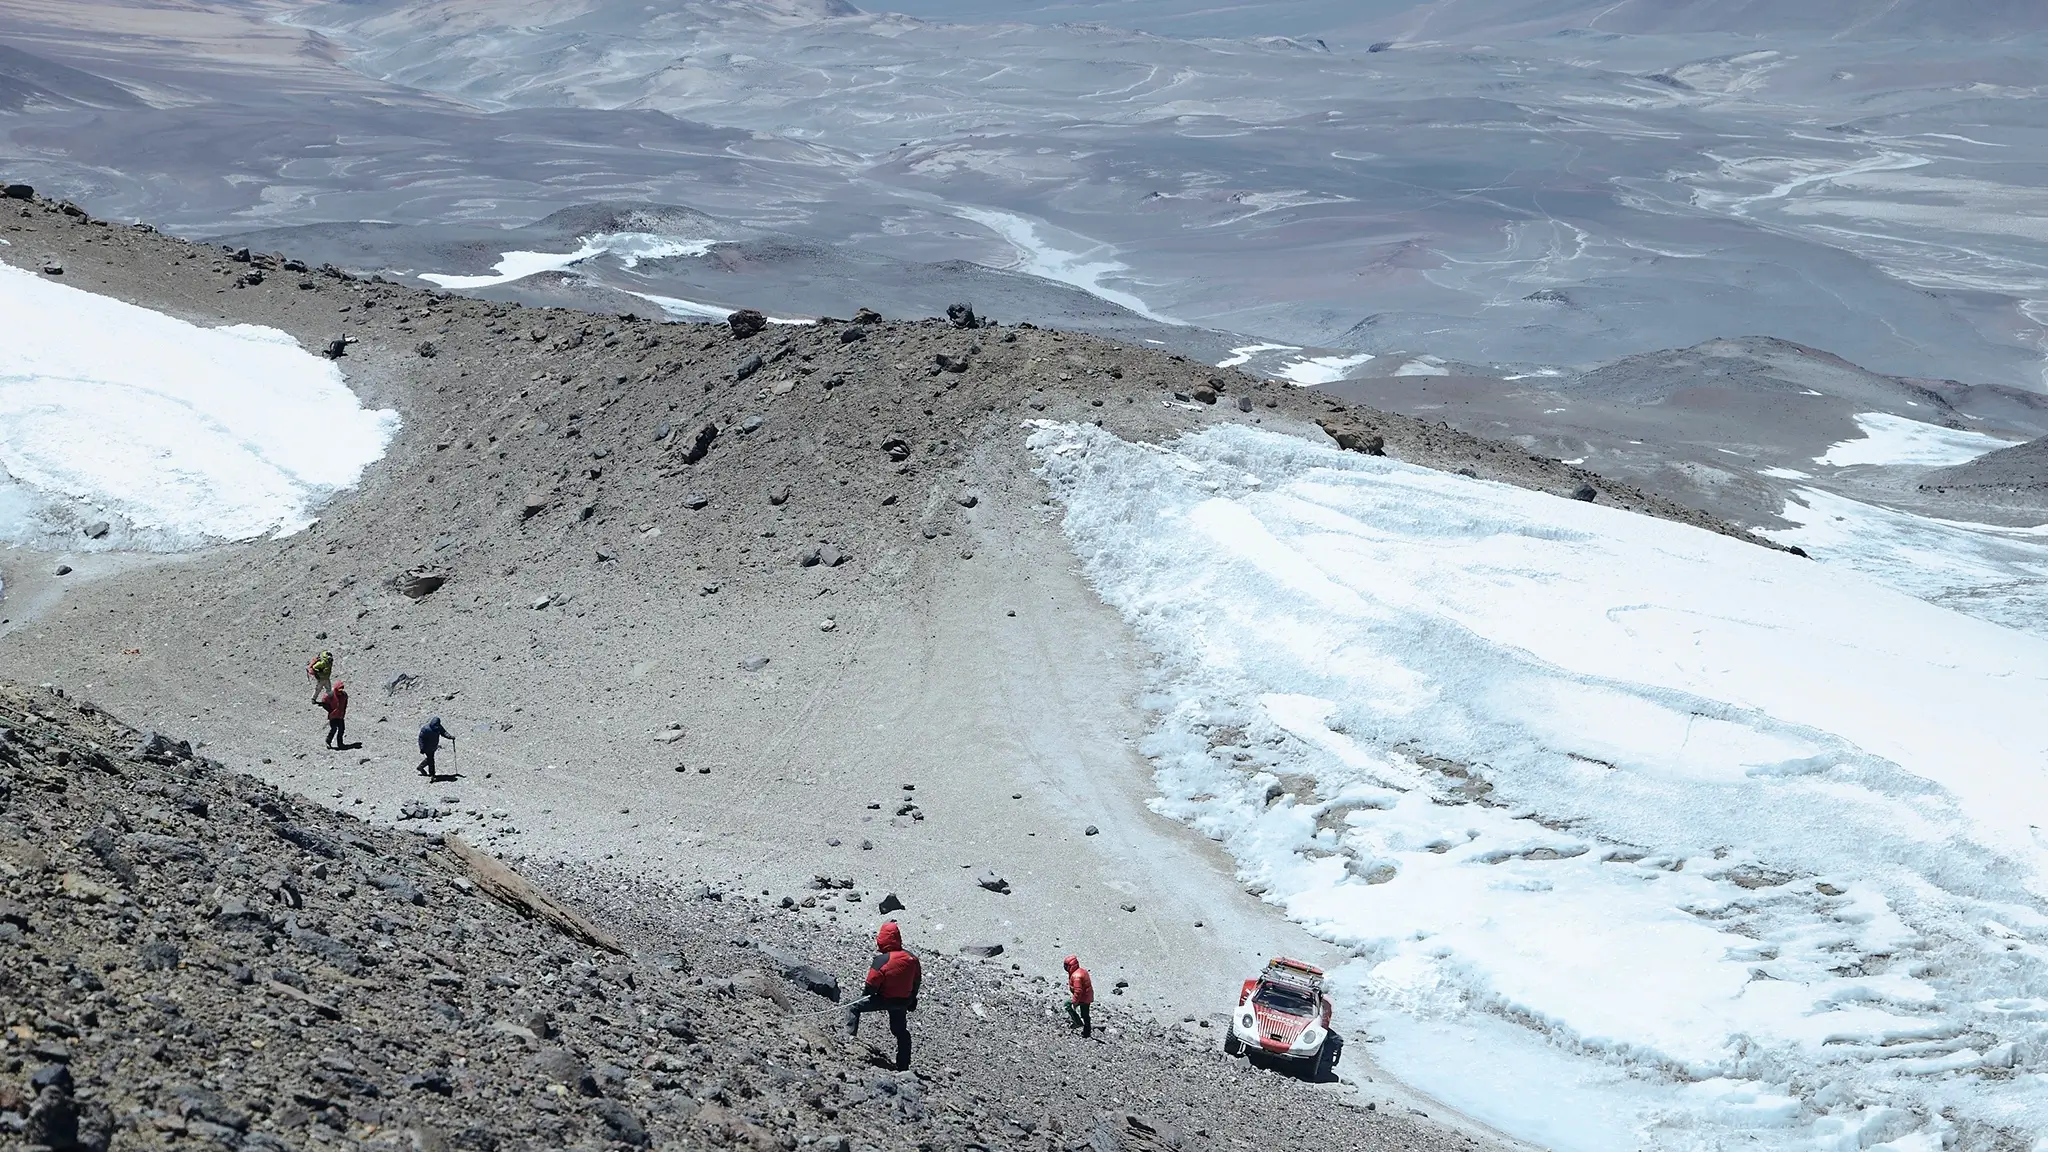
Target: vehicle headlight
<point>1311,1038</point>
<point>1248,1022</point>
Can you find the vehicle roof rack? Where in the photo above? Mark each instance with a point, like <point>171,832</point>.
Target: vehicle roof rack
<point>1290,971</point>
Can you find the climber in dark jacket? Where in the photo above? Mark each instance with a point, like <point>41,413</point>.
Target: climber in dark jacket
<point>893,980</point>
<point>431,736</point>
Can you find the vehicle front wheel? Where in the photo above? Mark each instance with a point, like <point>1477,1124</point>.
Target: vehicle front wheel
<point>1326,1060</point>
<point>1232,1046</point>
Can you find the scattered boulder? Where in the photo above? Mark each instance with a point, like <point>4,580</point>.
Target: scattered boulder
<point>398,888</point>
<point>804,974</point>
<point>1355,438</point>
<point>747,367</point>
<point>696,501</point>
<point>421,581</point>
<point>950,363</point>
<point>17,192</point>
<point>992,881</point>
<point>866,316</point>
<point>753,663</point>
<point>890,903</point>
<point>1586,492</point>
<point>1090,830</point>
<point>426,350</point>
<point>701,444</point>
<point>982,951</point>
<point>561,1066</point>
<point>962,316</point>
<point>52,268</point>
<point>897,449</point>
<point>97,530</point>
<point>746,322</point>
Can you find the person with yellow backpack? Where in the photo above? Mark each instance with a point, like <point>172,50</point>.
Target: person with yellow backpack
<point>322,672</point>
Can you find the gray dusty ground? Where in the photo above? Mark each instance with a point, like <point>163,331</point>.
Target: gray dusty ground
<point>2015,477</point>
<point>190,958</point>
<point>846,638</point>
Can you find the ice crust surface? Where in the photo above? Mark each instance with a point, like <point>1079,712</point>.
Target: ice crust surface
<point>176,435</point>
<point>1694,844</point>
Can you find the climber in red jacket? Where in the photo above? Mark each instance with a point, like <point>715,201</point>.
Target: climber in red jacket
<point>892,984</point>
<point>335,701</point>
<point>1080,996</point>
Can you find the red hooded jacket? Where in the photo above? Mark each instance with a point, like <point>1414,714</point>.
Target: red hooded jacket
<point>336,703</point>
<point>894,974</point>
<point>1080,986</point>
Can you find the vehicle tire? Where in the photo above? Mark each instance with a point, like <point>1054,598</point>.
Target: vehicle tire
<point>1319,1069</point>
<point>1232,1046</point>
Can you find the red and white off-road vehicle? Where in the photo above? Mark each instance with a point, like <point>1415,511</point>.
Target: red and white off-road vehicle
<point>1284,1016</point>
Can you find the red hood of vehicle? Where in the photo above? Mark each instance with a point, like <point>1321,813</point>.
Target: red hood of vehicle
<point>1278,1030</point>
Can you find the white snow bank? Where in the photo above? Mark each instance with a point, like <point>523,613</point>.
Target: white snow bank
<point>1090,270</point>
<point>176,435</point>
<point>679,309</point>
<point>1993,573</point>
<point>1304,370</point>
<point>1239,357</point>
<point>1312,370</point>
<point>1889,439</point>
<point>630,248</point>
<point>1742,849</point>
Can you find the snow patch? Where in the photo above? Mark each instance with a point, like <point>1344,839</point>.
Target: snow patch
<point>1699,837</point>
<point>1241,356</point>
<point>176,435</point>
<point>1889,439</point>
<point>1313,370</point>
<point>1088,270</point>
<point>630,248</point>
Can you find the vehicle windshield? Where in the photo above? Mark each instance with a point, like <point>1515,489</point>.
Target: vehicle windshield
<point>1281,998</point>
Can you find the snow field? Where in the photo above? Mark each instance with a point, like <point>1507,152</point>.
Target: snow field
<point>176,435</point>
<point>1718,846</point>
<point>1889,439</point>
<point>1994,573</point>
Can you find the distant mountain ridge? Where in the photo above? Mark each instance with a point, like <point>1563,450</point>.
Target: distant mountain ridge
<point>1394,21</point>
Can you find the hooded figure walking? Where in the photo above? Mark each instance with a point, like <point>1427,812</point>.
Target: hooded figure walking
<point>336,703</point>
<point>431,735</point>
<point>1080,996</point>
<point>893,980</point>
